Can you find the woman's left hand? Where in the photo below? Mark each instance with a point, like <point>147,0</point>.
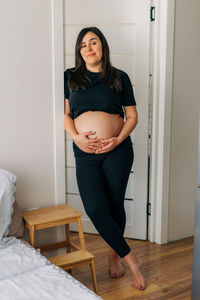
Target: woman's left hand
<point>110,144</point>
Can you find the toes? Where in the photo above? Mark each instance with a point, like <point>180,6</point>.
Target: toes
<point>116,269</point>
<point>138,286</point>
<point>117,275</point>
<point>142,287</point>
<point>135,285</point>
<point>113,275</point>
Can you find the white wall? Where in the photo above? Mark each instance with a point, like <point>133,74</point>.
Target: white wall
<point>184,127</point>
<point>26,99</point>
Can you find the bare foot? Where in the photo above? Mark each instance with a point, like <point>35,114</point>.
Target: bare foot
<point>139,262</point>
<point>137,278</point>
<point>135,264</point>
<point>116,268</point>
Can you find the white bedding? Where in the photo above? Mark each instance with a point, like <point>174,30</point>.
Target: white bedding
<point>24,273</point>
<point>27,275</point>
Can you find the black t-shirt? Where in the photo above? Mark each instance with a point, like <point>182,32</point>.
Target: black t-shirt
<point>98,96</point>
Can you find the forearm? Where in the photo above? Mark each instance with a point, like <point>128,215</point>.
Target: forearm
<point>128,127</point>
<point>69,126</point>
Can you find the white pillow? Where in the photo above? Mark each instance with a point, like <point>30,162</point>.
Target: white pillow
<point>7,198</point>
<point>17,225</point>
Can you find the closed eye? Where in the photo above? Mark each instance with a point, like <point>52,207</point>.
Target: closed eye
<point>82,46</point>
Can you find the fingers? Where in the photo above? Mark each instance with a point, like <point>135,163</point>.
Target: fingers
<point>88,134</point>
<point>92,147</point>
<point>103,151</point>
<point>97,144</point>
<point>100,151</point>
<point>106,141</point>
<point>91,132</point>
<point>95,140</point>
<point>107,147</point>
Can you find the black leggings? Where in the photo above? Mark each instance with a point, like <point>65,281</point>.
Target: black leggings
<point>102,180</point>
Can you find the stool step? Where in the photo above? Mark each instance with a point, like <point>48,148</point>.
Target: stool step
<point>72,259</point>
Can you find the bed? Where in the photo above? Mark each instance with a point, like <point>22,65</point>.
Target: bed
<point>24,273</point>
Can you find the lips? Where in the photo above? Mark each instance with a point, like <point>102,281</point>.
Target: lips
<point>91,54</point>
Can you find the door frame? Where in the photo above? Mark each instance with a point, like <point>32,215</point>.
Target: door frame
<point>161,120</point>
<point>58,101</point>
<point>161,114</point>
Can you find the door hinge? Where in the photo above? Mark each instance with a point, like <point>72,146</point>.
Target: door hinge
<point>152,13</point>
<point>149,209</point>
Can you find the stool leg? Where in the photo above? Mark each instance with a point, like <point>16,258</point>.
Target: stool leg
<point>93,274</point>
<point>31,235</point>
<point>67,233</point>
<point>81,236</point>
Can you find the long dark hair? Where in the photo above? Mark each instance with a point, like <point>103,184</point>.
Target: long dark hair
<point>109,74</point>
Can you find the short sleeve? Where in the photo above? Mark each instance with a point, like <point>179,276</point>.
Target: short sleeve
<point>66,84</point>
<point>128,98</point>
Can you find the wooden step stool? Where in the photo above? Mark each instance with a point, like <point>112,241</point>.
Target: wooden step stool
<point>55,216</point>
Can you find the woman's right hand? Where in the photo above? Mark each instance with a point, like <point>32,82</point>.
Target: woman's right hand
<point>86,143</point>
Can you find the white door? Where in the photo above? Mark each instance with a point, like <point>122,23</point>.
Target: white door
<point>126,26</point>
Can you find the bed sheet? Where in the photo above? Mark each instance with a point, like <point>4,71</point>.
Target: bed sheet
<point>27,275</point>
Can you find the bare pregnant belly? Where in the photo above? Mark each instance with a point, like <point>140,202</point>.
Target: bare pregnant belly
<point>106,125</point>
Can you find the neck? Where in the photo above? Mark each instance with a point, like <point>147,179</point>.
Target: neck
<point>94,68</point>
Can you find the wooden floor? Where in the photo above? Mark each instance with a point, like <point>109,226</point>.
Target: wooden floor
<point>167,270</point>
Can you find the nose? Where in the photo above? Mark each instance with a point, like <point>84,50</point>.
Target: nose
<point>88,47</point>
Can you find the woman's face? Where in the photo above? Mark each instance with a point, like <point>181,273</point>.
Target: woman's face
<point>91,50</point>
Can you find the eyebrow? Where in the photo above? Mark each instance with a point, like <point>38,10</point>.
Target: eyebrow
<point>89,40</point>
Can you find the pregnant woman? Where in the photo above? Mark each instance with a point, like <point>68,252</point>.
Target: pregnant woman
<point>96,97</point>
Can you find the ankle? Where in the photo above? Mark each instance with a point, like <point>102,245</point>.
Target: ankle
<point>130,259</point>
<point>113,254</point>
